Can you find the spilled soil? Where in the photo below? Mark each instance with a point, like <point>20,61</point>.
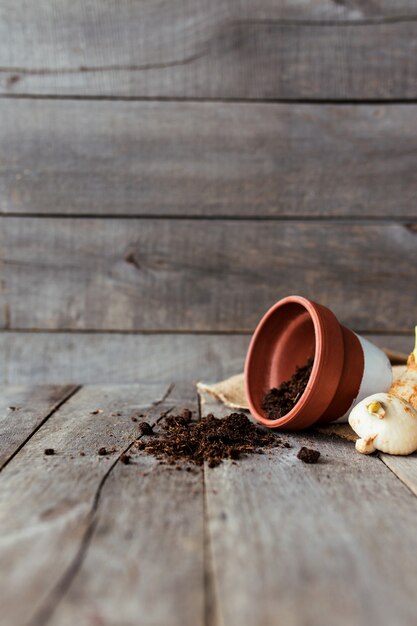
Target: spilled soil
<point>208,440</point>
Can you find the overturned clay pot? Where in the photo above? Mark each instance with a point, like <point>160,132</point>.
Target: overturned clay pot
<point>346,367</point>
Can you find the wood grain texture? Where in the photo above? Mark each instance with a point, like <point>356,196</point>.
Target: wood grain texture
<point>168,158</point>
<point>47,524</point>
<point>310,544</point>
<point>100,358</point>
<point>201,275</point>
<point>404,467</point>
<point>145,561</point>
<point>22,410</point>
<point>196,49</point>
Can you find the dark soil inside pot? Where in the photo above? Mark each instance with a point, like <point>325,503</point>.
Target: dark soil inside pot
<point>279,401</point>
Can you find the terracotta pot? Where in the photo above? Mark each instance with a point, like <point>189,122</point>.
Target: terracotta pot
<point>346,367</point>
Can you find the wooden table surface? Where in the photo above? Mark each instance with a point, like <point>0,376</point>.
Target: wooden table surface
<point>169,171</point>
<point>86,539</point>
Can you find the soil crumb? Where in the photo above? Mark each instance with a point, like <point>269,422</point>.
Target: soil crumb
<point>145,429</point>
<point>307,455</point>
<point>279,401</point>
<point>211,439</point>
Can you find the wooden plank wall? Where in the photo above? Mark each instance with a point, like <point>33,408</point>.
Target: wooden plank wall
<point>169,170</point>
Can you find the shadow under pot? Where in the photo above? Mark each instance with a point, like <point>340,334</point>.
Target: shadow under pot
<point>346,367</point>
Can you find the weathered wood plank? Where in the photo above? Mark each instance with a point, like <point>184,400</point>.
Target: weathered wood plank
<point>331,543</point>
<point>266,49</point>
<point>146,560</point>
<point>99,358</point>
<point>201,274</point>
<point>22,411</point>
<point>405,467</point>
<point>46,524</point>
<point>167,158</point>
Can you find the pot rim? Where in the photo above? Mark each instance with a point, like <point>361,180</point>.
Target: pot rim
<point>327,365</point>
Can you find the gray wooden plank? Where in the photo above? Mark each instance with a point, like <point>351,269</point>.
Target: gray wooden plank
<point>99,358</point>
<point>199,275</point>
<point>331,543</point>
<point>267,49</point>
<point>145,561</point>
<point>404,467</point>
<point>47,524</point>
<point>22,410</point>
<point>167,158</point>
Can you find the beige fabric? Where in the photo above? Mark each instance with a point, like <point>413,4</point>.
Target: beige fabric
<point>231,392</point>
<point>344,431</point>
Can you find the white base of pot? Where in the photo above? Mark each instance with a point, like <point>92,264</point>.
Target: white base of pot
<point>377,374</point>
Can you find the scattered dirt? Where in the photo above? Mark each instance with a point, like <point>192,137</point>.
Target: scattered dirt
<point>96,412</point>
<point>49,451</point>
<point>125,458</point>
<point>210,439</point>
<point>103,451</point>
<point>307,455</point>
<point>187,414</point>
<point>145,429</point>
<point>279,401</point>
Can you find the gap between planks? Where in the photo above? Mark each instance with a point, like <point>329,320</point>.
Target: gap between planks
<point>173,331</point>
<point>55,408</point>
<point>46,611</point>
<point>191,99</point>
<point>211,614</point>
<point>222,217</point>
